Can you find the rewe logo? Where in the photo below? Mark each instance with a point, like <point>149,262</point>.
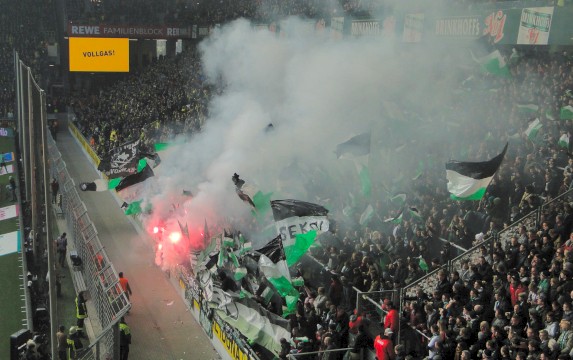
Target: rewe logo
<point>85,30</point>
<point>494,24</point>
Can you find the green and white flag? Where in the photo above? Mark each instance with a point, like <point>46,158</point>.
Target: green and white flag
<point>566,113</point>
<point>549,114</point>
<point>527,108</point>
<point>533,129</point>
<point>298,223</point>
<point>564,141</point>
<point>396,219</point>
<point>469,180</point>
<point>273,265</point>
<point>415,214</point>
<point>494,63</point>
<point>254,322</point>
<point>302,243</point>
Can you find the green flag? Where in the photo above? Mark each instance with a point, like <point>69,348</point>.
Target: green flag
<point>494,63</point>
<point>134,208</point>
<point>301,245</point>
<point>564,141</point>
<point>566,112</point>
<point>423,264</point>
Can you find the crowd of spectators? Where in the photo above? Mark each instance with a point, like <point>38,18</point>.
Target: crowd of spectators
<point>167,98</point>
<point>512,301</point>
<point>214,12</point>
<point>512,298</point>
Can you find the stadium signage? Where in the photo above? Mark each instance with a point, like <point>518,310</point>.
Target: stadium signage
<point>494,24</point>
<point>459,26</point>
<point>362,28</point>
<point>289,228</point>
<point>6,132</point>
<point>235,350</point>
<point>137,31</point>
<point>534,26</point>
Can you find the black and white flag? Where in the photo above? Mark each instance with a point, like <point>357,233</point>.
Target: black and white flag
<point>121,161</point>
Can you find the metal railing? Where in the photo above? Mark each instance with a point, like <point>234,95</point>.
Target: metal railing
<point>97,271</point>
<point>317,354</point>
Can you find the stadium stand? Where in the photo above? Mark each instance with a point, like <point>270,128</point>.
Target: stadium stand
<point>476,302</point>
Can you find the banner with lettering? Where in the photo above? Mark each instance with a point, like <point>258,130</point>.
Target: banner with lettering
<point>535,25</point>
<point>129,31</point>
<point>500,26</point>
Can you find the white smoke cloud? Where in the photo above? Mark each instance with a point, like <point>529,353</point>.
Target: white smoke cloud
<point>317,92</point>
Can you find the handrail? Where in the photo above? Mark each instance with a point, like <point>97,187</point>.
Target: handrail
<point>293,356</point>
<point>420,332</point>
<point>452,244</point>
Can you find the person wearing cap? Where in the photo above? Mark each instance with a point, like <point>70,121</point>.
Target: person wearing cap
<point>384,346</point>
<point>74,343</point>
<point>391,319</point>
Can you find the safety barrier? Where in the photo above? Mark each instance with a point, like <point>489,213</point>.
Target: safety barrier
<point>101,279</point>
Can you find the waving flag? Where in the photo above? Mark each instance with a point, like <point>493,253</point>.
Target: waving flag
<point>293,220</point>
<point>132,188</point>
<point>533,129</point>
<point>253,321</point>
<point>121,161</point>
<point>469,180</point>
<point>566,113</point>
<point>564,141</point>
<point>494,63</point>
<point>396,219</point>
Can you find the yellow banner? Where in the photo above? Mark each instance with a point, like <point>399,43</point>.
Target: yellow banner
<point>99,54</point>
